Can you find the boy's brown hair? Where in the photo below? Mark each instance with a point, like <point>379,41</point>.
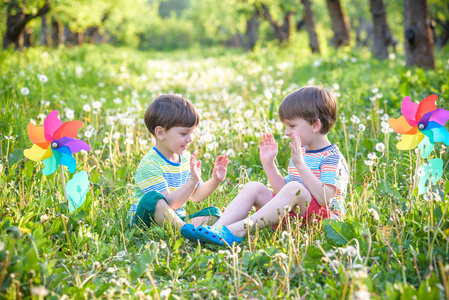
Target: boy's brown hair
<point>310,103</point>
<point>170,111</point>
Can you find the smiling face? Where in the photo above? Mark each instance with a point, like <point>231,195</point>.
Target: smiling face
<point>174,141</point>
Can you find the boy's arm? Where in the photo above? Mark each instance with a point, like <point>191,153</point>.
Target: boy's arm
<point>205,189</point>
<point>177,198</point>
<point>268,151</point>
<point>322,192</point>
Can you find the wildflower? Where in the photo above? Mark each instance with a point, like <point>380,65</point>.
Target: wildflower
<point>88,134</point>
<point>44,218</point>
<point>45,103</point>
<point>369,162</point>
<point>351,136</point>
<point>392,56</point>
<point>24,91</point>
<point>335,86</point>
<point>374,90</point>
<point>355,120</point>
<point>42,78</point>
<point>316,63</point>
<point>248,113</point>
<point>70,114</point>
<point>79,71</point>
<point>101,84</point>
<point>249,222</point>
<point>143,141</point>
<point>311,81</point>
<point>165,293</point>
<point>96,104</point>
<point>213,294</point>
<point>118,101</point>
<point>372,155</point>
<point>40,291</point>
<point>268,94</point>
<point>87,108</point>
<point>362,127</point>
<point>354,60</point>
<point>374,214</point>
<point>380,147</point>
<point>116,135</point>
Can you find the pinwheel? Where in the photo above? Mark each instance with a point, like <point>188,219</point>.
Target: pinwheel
<point>421,125</point>
<point>54,143</point>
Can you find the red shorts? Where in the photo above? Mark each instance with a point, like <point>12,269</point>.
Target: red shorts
<point>314,212</point>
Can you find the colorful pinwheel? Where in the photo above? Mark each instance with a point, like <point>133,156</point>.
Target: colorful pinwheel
<point>54,143</point>
<point>421,124</point>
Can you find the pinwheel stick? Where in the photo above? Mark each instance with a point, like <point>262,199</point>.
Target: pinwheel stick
<point>63,183</point>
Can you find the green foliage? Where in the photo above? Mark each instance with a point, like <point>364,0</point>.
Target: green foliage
<point>392,244</point>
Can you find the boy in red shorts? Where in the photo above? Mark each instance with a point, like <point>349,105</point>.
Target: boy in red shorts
<point>317,173</point>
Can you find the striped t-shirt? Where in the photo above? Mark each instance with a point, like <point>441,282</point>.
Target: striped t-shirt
<point>156,173</point>
<point>329,166</point>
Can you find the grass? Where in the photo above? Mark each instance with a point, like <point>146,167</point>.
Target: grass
<point>393,243</point>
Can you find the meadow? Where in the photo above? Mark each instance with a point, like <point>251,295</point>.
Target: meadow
<point>393,243</point>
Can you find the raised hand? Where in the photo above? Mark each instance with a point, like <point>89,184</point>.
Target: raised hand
<point>195,168</point>
<point>220,168</point>
<point>296,147</point>
<point>268,148</point>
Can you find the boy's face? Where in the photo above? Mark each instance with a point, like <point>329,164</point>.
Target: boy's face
<point>176,139</point>
<point>304,129</point>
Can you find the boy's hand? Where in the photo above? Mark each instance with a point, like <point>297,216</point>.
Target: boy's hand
<point>195,168</point>
<point>220,168</point>
<point>296,147</point>
<point>268,148</point>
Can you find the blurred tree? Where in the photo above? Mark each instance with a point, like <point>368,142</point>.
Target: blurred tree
<point>44,30</point>
<point>382,35</point>
<point>309,21</point>
<point>439,11</point>
<point>281,31</point>
<point>418,35</point>
<point>19,13</point>
<point>340,24</point>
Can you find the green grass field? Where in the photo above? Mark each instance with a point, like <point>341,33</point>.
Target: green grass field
<point>393,244</point>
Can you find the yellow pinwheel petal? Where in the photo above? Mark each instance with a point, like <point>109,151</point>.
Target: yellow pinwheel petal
<point>410,141</point>
<point>36,153</point>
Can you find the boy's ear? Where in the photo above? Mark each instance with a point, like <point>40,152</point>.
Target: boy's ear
<point>159,132</point>
<point>316,126</point>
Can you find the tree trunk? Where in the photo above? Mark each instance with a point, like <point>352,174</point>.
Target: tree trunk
<point>252,31</point>
<point>382,35</point>
<point>44,31</point>
<point>16,20</point>
<point>418,35</point>
<point>56,32</point>
<point>309,20</point>
<point>280,31</point>
<point>28,39</point>
<point>340,24</point>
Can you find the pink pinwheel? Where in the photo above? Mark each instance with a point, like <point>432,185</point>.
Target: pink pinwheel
<point>421,125</point>
<point>54,143</point>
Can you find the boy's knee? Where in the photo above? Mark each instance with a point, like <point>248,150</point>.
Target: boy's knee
<point>255,186</point>
<point>294,187</point>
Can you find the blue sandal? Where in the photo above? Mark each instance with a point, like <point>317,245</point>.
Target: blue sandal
<point>219,236</point>
<point>189,232</point>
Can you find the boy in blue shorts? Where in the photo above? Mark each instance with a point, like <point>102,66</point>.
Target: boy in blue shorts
<point>168,175</point>
<point>317,173</point>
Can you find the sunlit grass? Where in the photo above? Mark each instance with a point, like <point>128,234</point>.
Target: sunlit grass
<point>392,242</point>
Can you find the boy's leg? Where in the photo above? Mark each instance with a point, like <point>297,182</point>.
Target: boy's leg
<point>268,214</point>
<point>205,220</point>
<point>253,193</point>
<point>163,215</point>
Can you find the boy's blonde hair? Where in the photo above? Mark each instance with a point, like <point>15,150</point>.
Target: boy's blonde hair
<point>170,111</point>
<point>310,103</point>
